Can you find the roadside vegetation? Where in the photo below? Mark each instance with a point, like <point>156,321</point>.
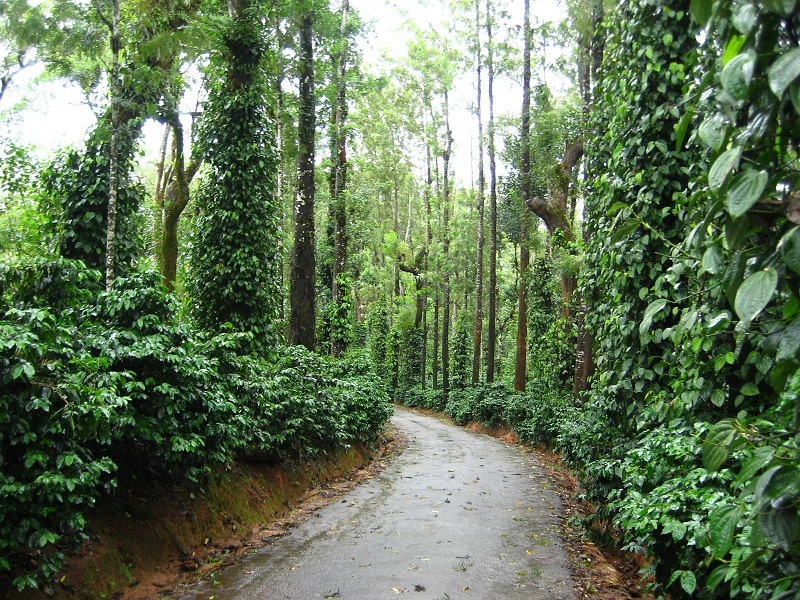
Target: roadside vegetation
<point>619,280</point>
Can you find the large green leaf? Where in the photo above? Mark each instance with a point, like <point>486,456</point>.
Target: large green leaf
<point>722,167</point>
<point>688,582</point>
<point>701,10</point>
<point>745,191</point>
<point>755,293</point>
<point>780,526</point>
<point>651,311</point>
<point>744,17</point>
<point>784,71</point>
<point>713,261</point>
<point>722,525</point>
<point>717,443</point>
<point>737,75</point>
<point>624,230</point>
<point>712,131</point>
<point>783,8</point>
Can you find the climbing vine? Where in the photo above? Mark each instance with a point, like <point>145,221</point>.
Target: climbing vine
<point>235,274</point>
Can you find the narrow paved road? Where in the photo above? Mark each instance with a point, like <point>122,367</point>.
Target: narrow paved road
<point>457,516</point>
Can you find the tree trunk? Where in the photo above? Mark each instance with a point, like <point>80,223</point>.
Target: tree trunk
<point>113,177</point>
<point>521,362</point>
<point>492,333</point>
<point>477,336</point>
<point>436,306</point>
<point>175,200</point>
<point>339,179</point>
<point>446,251</point>
<point>302,318</point>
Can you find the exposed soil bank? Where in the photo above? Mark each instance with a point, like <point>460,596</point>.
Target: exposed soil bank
<point>152,535</point>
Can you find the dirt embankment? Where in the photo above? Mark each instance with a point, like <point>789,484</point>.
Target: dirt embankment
<point>151,536</point>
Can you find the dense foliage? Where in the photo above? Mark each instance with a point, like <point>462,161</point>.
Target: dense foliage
<point>92,380</point>
<point>235,272</point>
<point>688,260</point>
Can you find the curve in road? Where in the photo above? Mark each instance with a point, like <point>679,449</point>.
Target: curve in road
<point>458,515</point>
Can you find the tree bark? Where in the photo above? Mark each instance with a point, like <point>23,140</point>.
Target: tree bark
<point>175,200</point>
<point>477,341</point>
<point>521,361</point>
<point>113,178</point>
<point>338,180</point>
<point>446,251</point>
<point>303,309</point>
<point>491,342</point>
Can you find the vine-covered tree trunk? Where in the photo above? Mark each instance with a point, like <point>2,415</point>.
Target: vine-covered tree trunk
<point>338,183</point>
<point>477,336</point>
<point>521,361</point>
<point>303,307</point>
<point>235,269</point>
<point>491,342</point>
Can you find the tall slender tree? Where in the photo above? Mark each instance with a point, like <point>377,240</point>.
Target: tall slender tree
<point>303,307</point>
<point>491,342</point>
<point>337,185</point>
<point>113,162</point>
<point>477,336</point>
<point>446,152</point>
<point>521,362</point>
<point>234,269</point>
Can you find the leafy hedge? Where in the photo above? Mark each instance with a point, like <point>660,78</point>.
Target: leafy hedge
<point>87,378</point>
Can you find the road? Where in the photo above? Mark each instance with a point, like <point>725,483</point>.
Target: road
<point>458,515</point>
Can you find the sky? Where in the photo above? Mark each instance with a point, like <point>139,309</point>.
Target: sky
<point>58,114</point>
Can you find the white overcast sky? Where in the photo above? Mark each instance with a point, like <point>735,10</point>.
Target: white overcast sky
<point>58,114</point>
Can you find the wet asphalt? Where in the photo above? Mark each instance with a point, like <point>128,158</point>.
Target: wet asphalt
<point>458,515</point>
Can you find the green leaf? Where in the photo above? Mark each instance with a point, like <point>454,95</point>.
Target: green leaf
<point>791,250</point>
<point>713,262</point>
<point>745,191</point>
<point>681,128</point>
<point>784,71</point>
<point>780,526</point>
<point>717,576</point>
<point>755,293</point>
<point>722,167</point>
<point>651,311</point>
<point>701,10</point>
<point>718,397</point>
<point>712,131</point>
<point>743,18</point>
<point>715,446</point>
<point>794,96</point>
<point>624,230</point>
<point>732,48</point>
<point>722,526</point>
<point>616,207</point>
<point>688,582</point>
<point>789,346</point>
<point>761,458</point>
<point>737,75</point>
<point>783,8</point>
<point>749,389</point>
<point>779,481</point>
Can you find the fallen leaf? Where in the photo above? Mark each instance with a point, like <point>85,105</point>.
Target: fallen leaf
<point>398,590</point>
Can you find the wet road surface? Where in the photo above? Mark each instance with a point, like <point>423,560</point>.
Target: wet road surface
<point>458,515</point>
